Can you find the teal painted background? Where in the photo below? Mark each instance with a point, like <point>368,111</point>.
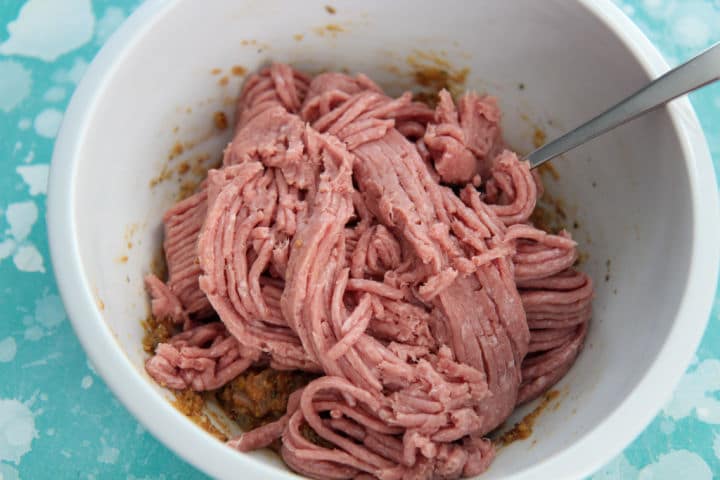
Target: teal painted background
<point>57,418</point>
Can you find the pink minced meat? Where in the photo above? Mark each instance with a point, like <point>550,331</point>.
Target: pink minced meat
<point>331,241</point>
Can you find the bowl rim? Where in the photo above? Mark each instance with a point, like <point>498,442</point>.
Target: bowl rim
<point>580,459</point>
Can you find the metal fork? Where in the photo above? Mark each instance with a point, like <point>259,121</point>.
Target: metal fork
<point>697,72</point>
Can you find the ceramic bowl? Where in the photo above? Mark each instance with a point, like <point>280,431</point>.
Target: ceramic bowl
<point>643,196</point>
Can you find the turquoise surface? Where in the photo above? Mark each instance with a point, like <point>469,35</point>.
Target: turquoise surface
<point>58,419</point>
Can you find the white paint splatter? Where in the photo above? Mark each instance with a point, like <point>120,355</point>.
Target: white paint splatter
<point>90,366</point>
<point>86,382</point>
<point>49,311</point>
<point>21,217</point>
<point>8,472</point>
<point>108,23</point>
<point>54,94</point>
<point>677,464</point>
<point>74,75</point>
<point>652,4</point>
<point>30,156</point>
<point>47,123</point>
<point>667,427</point>
<point>7,247</point>
<point>139,429</point>
<point>35,177</point>
<point>36,363</point>
<point>691,31</point>
<point>43,361</point>
<point>33,399</point>
<point>50,432</point>
<point>696,393</point>
<point>34,333</point>
<point>46,29</point>
<point>8,349</point>
<point>716,445</point>
<point>15,83</point>
<point>24,123</point>
<point>28,259</point>
<point>108,454</point>
<point>17,430</point>
<point>618,468</point>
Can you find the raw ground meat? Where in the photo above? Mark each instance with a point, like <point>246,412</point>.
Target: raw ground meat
<point>386,249</point>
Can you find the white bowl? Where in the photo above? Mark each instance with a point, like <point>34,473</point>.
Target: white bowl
<point>644,195</point>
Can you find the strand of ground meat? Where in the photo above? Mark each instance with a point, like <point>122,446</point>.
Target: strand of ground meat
<point>180,298</point>
<point>202,358</point>
<point>558,311</point>
<point>427,422</point>
<point>332,247</point>
<point>276,85</point>
<point>276,89</point>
